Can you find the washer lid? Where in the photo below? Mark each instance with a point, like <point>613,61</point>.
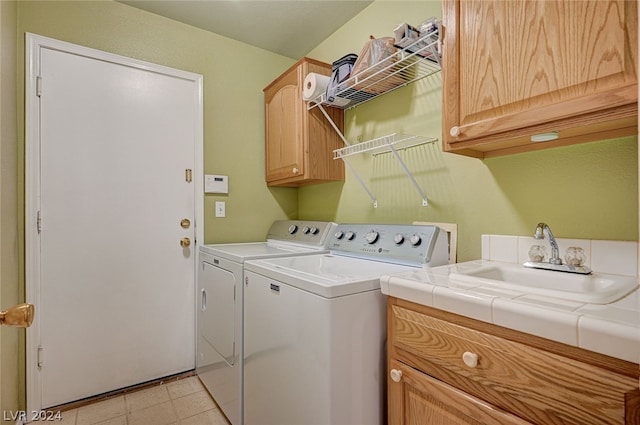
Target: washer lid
<point>239,252</point>
<point>326,275</point>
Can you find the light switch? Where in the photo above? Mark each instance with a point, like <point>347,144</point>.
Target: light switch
<point>220,208</point>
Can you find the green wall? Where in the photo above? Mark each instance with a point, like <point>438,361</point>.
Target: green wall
<point>588,191</point>
<point>234,76</point>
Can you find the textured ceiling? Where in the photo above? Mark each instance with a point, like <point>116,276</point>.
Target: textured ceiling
<point>291,28</point>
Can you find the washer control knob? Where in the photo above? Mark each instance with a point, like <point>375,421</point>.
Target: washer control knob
<point>306,230</point>
<point>398,238</point>
<point>292,229</point>
<point>350,235</point>
<point>372,237</point>
<point>314,230</point>
<point>415,240</point>
<point>396,375</point>
<point>339,234</point>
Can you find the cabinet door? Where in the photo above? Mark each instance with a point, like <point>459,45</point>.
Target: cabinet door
<point>419,399</point>
<point>284,128</point>
<point>516,68</point>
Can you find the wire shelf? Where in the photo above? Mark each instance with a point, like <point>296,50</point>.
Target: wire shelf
<point>384,144</point>
<point>418,60</point>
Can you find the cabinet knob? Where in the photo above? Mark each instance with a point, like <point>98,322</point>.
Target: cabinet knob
<point>455,131</point>
<point>295,170</point>
<point>470,359</point>
<point>396,375</point>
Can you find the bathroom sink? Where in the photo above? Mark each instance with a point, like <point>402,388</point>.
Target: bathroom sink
<point>595,288</point>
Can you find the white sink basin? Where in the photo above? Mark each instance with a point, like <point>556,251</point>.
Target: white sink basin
<point>595,288</point>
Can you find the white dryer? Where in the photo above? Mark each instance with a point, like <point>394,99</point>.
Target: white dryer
<point>315,326</point>
<point>219,342</point>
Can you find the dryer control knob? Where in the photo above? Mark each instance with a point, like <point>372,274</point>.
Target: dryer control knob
<point>350,235</point>
<point>292,229</point>
<point>372,237</point>
<point>339,234</point>
<point>398,238</point>
<point>314,230</point>
<point>305,230</point>
<point>415,240</point>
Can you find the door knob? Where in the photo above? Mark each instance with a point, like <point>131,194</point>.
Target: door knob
<point>20,315</point>
<point>185,242</point>
<point>185,223</point>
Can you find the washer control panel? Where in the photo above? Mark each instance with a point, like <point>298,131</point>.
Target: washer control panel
<point>313,233</point>
<point>398,243</point>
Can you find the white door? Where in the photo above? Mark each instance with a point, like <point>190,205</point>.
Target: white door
<point>113,148</point>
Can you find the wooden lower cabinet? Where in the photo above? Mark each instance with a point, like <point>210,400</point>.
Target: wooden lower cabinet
<point>448,369</point>
<point>419,399</point>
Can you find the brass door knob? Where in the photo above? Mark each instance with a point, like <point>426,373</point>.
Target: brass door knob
<point>20,315</point>
<point>185,242</point>
<point>185,223</point>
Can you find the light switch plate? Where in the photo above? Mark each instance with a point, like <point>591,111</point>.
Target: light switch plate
<point>220,209</point>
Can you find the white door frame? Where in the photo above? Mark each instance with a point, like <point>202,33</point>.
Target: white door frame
<point>32,178</point>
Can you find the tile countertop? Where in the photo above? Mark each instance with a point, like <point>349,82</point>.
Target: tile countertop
<point>612,329</point>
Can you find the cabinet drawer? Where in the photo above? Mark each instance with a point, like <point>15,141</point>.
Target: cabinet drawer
<point>538,386</point>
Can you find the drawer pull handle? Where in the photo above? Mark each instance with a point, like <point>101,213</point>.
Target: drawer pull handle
<point>396,375</point>
<point>455,131</point>
<point>470,359</point>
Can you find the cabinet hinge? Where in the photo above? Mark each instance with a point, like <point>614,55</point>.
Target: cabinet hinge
<point>38,86</point>
<point>39,222</point>
<point>40,356</point>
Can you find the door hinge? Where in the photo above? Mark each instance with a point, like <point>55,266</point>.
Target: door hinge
<point>40,356</point>
<point>187,175</point>
<point>38,86</point>
<point>39,222</point>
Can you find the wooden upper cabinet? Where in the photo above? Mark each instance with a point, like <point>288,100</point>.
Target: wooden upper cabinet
<point>299,143</point>
<point>513,69</point>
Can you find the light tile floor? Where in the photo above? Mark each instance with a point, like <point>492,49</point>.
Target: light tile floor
<point>182,402</point>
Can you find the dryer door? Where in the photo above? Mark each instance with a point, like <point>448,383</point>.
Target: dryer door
<point>218,310</point>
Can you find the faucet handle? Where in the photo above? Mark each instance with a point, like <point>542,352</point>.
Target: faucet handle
<point>537,253</point>
<point>574,256</point>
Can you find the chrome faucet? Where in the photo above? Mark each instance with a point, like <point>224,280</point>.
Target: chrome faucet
<point>555,262</point>
<point>541,230</point>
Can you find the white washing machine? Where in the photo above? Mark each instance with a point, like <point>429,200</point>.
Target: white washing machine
<point>315,326</point>
<point>219,360</point>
